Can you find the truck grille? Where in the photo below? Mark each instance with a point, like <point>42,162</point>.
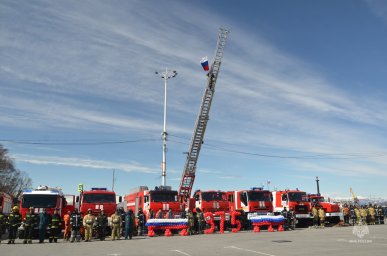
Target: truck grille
<point>301,209</point>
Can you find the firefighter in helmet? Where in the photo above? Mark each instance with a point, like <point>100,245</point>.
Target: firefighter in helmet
<point>88,222</point>
<point>102,224</point>
<point>55,229</point>
<point>76,224</point>
<point>321,215</point>
<point>13,222</point>
<point>30,221</point>
<point>116,225</point>
<point>315,215</point>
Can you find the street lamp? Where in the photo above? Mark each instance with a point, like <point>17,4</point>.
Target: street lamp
<point>167,74</point>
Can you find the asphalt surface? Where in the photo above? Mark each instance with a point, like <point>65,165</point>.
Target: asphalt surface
<point>328,241</point>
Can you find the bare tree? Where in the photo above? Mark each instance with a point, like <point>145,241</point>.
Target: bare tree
<point>12,180</point>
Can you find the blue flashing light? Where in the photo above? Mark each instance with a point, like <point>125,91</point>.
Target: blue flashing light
<point>98,188</point>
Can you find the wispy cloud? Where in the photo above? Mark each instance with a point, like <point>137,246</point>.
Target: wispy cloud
<point>83,163</point>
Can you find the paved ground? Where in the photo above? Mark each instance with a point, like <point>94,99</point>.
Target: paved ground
<point>329,241</point>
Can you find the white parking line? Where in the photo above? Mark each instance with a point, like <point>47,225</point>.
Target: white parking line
<point>247,250</point>
<point>184,253</point>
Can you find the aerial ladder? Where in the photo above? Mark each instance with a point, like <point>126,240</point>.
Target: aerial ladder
<point>188,176</point>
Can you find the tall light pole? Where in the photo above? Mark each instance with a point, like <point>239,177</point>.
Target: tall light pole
<point>167,74</point>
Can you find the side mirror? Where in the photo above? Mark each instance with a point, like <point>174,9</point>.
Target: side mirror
<point>120,199</point>
<point>77,199</point>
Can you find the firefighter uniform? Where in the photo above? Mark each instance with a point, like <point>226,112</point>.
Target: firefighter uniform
<point>358,215</point>
<point>315,216</point>
<point>30,221</point>
<point>102,224</point>
<point>55,227</point>
<point>321,215</point>
<point>346,214</point>
<point>371,211</point>
<point>2,223</point>
<point>116,223</point>
<point>88,222</point>
<point>13,222</point>
<point>122,227</point>
<point>67,226</point>
<point>76,224</point>
<point>363,214</point>
<point>201,221</point>
<point>191,223</point>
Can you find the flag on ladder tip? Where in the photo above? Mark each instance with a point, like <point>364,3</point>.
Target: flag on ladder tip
<point>204,63</point>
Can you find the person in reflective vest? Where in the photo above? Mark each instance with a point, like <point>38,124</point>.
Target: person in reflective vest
<point>116,223</point>
<point>55,229</point>
<point>76,224</point>
<point>14,221</point>
<point>29,222</point>
<point>88,222</point>
<point>44,220</point>
<point>141,222</point>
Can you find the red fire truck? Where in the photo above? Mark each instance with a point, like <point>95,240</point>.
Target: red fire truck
<point>211,201</point>
<point>253,202</point>
<point>44,197</point>
<point>6,203</point>
<point>294,200</point>
<point>162,197</point>
<point>97,199</point>
<point>332,210</point>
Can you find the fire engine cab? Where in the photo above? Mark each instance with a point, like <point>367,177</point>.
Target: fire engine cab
<point>162,197</point>
<point>211,201</point>
<point>253,202</point>
<point>97,199</point>
<point>293,200</point>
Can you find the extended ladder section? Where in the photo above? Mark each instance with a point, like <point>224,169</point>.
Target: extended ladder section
<point>188,177</point>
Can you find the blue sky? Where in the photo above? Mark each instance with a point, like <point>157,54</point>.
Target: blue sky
<point>301,93</point>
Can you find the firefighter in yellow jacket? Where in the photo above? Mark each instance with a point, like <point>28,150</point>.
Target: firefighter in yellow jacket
<point>116,224</point>
<point>321,215</point>
<point>372,213</point>
<point>88,222</point>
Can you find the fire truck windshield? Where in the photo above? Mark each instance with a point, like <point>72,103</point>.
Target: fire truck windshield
<point>298,197</point>
<point>163,196</point>
<point>317,199</point>
<point>213,196</point>
<point>99,198</point>
<point>256,196</point>
<point>39,201</point>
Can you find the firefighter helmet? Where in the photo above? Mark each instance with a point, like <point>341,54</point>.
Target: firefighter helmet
<point>15,208</point>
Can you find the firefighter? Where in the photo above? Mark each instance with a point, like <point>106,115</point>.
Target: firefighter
<point>116,223</point>
<point>321,215</point>
<point>76,224</point>
<point>55,226</point>
<point>129,224</point>
<point>315,215</point>
<point>346,214</point>
<point>121,231</point>
<point>67,226</point>
<point>191,222</point>
<point>352,214</point>
<point>14,221</point>
<point>44,220</point>
<point>371,211</point>
<point>30,221</point>
<point>381,215</point>
<point>141,222</point>
<point>159,214</point>
<point>88,222</point>
<point>201,221</point>
<point>169,214</point>
<point>358,215</point>
<point>2,222</point>
<point>363,214</point>
<point>102,224</point>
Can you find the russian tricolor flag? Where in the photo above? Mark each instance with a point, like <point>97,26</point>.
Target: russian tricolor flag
<point>204,63</point>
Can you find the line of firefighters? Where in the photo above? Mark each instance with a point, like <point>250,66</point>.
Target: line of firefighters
<point>126,223</point>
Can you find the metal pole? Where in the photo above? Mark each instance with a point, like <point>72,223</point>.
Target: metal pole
<point>164,134</point>
<point>318,186</point>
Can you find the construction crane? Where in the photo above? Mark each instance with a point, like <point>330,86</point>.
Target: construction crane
<point>188,176</point>
<point>355,199</point>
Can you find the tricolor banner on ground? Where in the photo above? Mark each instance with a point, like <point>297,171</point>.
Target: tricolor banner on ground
<point>204,63</point>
